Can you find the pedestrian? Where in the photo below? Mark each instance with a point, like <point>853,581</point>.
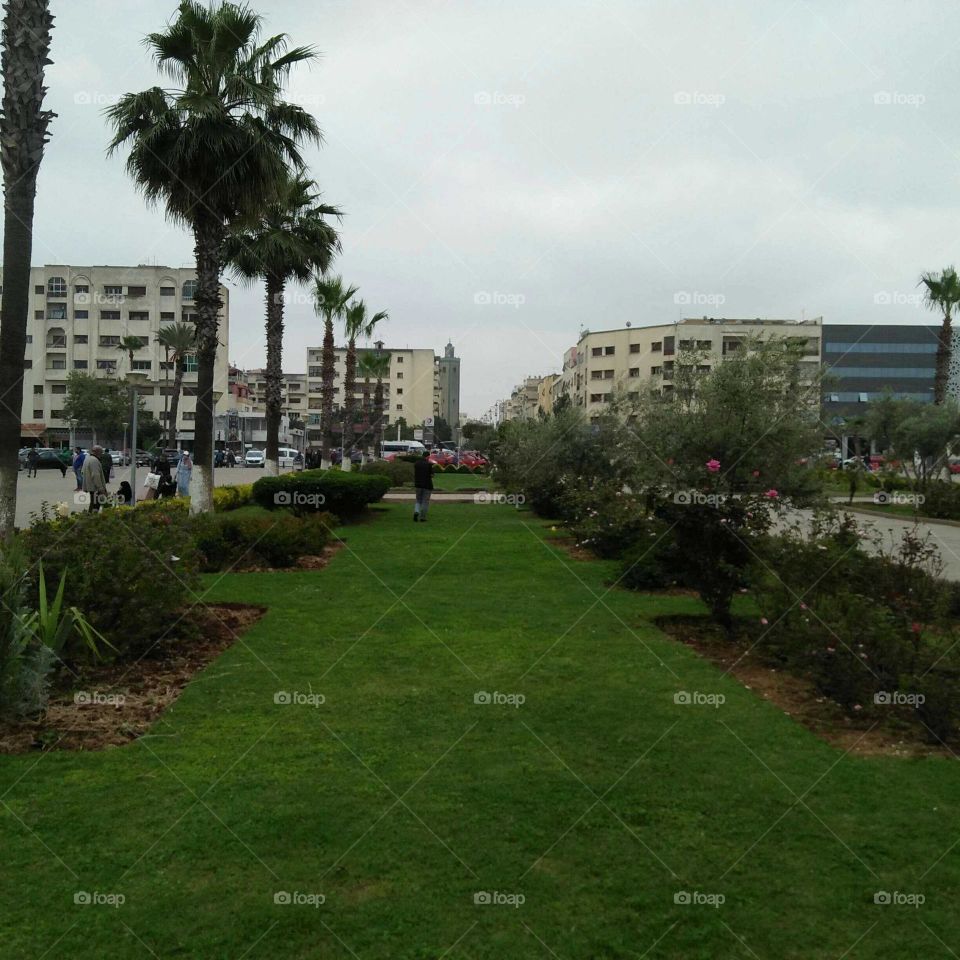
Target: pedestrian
<point>184,469</point>
<point>106,463</point>
<point>423,481</point>
<point>125,494</point>
<point>78,459</point>
<point>33,458</point>
<point>93,481</point>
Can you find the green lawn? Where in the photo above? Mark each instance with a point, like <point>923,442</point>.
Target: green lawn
<point>461,481</point>
<point>399,798</point>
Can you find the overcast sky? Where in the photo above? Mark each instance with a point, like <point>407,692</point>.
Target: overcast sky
<point>514,172</point>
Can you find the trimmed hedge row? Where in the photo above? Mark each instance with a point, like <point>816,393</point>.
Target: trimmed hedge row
<point>312,491</point>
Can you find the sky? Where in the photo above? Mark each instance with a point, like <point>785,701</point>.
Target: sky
<point>514,172</point>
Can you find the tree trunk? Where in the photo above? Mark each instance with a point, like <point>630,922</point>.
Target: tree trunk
<point>941,377</point>
<point>327,373</point>
<point>274,372</point>
<point>209,234</point>
<point>378,418</point>
<point>175,401</point>
<point>349,402</point>
<point>23,133</point>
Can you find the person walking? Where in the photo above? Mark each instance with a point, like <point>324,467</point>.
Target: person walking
<point>184,469</point>
<point>33,458</point>
<point>423,481</point>
<point>93,481</point>
<point>78,459</point>
<point>106,463</point>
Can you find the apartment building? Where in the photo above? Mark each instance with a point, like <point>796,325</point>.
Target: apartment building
<point>293,391</point>
<point>419,385</point>
<point>626,358</point>
<point>77,318</point>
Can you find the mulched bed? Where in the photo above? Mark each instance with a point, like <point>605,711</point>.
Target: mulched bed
<point>127,698</point>
<point>797,696</point>
<point>317,562</point>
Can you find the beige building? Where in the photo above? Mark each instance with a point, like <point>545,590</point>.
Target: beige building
<point>77,318</point>
<point>626,358</point>
<point>294,393</point>
<point>411,391</point>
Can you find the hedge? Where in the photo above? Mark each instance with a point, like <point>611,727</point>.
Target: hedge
<point>311,491</point>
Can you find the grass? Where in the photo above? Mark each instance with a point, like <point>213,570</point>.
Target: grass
<point>461,481</point>
<point>399,797</point>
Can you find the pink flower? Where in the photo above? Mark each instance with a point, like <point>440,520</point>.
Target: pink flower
<point>756,473</point>
<point>857,706</point>
<point>713,466</point>
<point>915,627</point>
<point>764,621</point>
<point>803,606</point>
<point>772,494</point>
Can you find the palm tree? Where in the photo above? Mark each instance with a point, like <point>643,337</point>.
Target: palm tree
<point>23,134</point>
<point>291,241</point>
<point>330,300</point>
<point>376,364</point>
<point>216,150</point>
<point>179,341</point>
<point>129,346</point>
<point>355,324</point>
<point>942,294</point>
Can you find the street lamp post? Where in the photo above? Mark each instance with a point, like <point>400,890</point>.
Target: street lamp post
<point>73,434</point>
<point>134,377</point>
<point>217,394</point>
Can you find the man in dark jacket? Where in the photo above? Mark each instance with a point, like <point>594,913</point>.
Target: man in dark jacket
<point>423,481</point>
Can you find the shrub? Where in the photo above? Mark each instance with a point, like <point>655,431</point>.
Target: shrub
<point>254,538</point>
<point>398,472</point>
<point>130,571</point>
<point>315,491</point>
<point>941,501</point>
<point>652,562</point>
<point>233,497</point>
<point>604,518</point>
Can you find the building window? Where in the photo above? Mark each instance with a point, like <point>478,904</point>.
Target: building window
<point>142,365</point>
<point>399,392</point>
<point>686,344</point>
<point>110,341</point>
<point>109,314</point>
<point>136,291</point>
<point>29,338</point>
<point>40,290</point>
<point>56,287</point>
<point>596,375</point>
<point>703,368</point>
<point>38,314</point>
<point>38,389</point>
<point>189,291</point>
<point>609,351</point>
<point>863,397</point>
<point>634,347</point>
<point>79,364</point>
<point>106,364</point>
<point>81,315</point>
<point>634,371</point>
<point>168,315</point>
<point>56,414</point>
<point>168,291</point>
<point>656,346</point>
<point>399,406</point>
<point>704,344</point>
<point>27,364</point>
<point>399,359</point>
<point>190,363</point>
<point>668,344</point>
<point>189,415</point>
<point>37,414</point>
<point>399,376</point>
<point>59,388</point>
<point>57,311</point>
<point>81,288</point>
<point>112,291</point>
<point>596,352</point>
<point>597,397</point>
<point>139,315</point>
<point>607,374</point>
<point>656,371</point>
<point>56,363</point>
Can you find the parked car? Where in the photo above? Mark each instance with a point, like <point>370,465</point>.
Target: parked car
<point>50,459</point>
<point>120,459</point>
<point>254,458</point>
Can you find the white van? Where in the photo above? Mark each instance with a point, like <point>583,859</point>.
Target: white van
<point>286,456</point>
<point>390,447</point>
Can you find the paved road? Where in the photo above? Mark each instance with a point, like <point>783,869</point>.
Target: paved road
<point>50,486</point>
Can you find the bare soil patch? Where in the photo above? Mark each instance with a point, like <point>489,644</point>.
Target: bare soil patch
<point>110,705</point>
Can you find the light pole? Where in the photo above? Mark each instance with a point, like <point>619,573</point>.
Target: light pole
<point>217,394</point>
<point>134,377</point>
<point>125,427</point>
<point>73,434</point>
